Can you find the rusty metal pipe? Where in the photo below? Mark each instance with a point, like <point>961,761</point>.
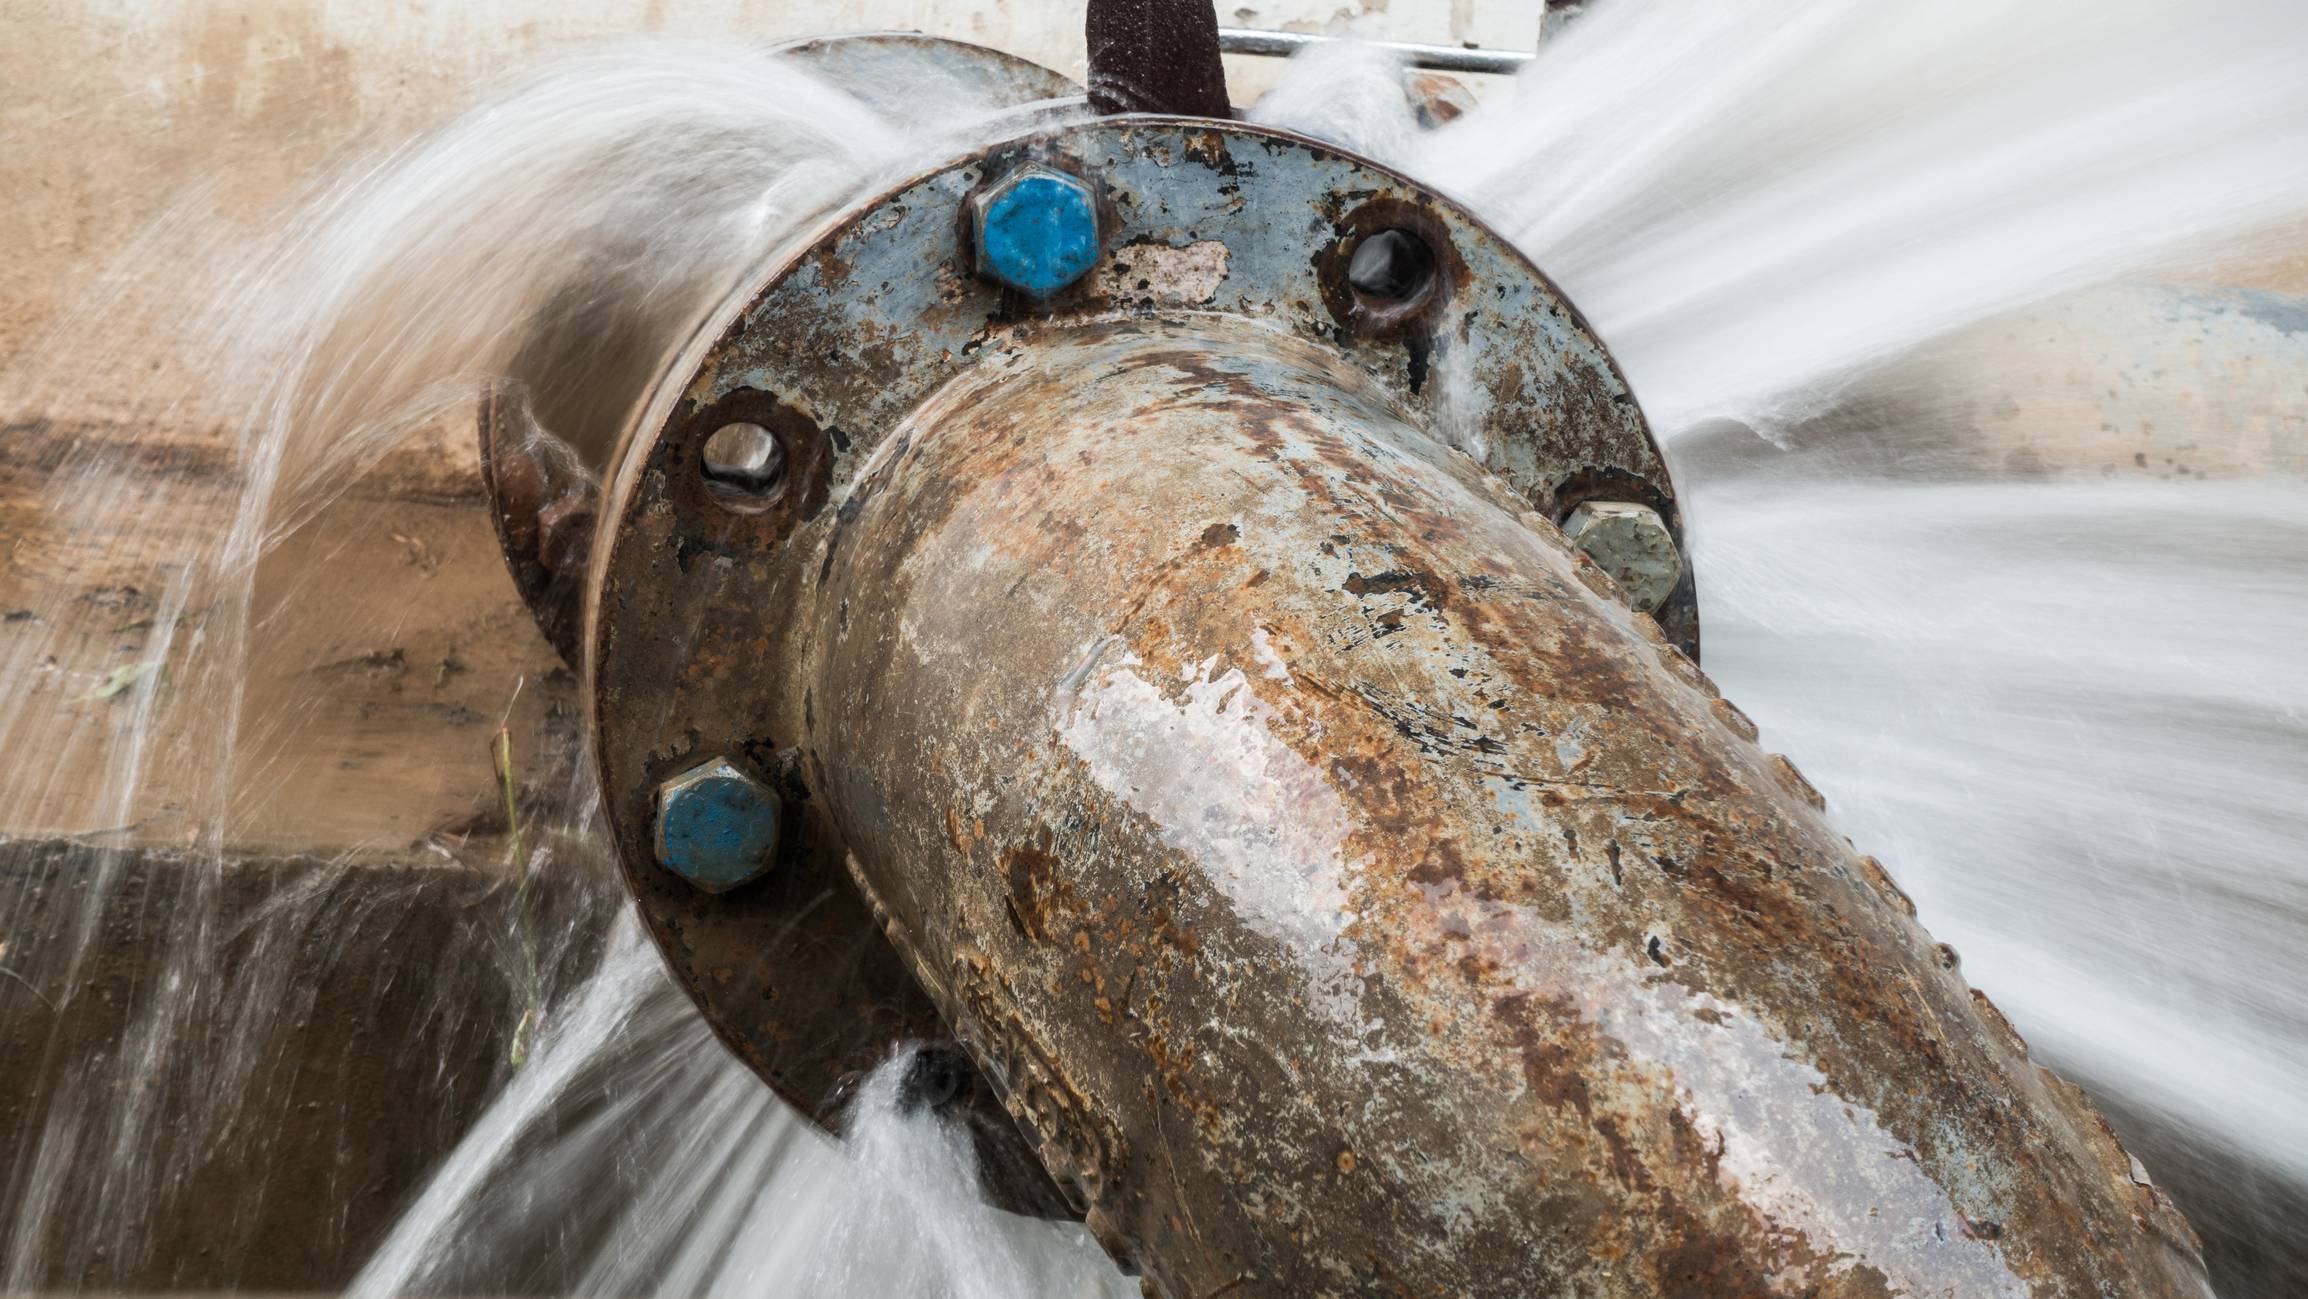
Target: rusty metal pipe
<point>1337,885</point>
<point>1350,895</point>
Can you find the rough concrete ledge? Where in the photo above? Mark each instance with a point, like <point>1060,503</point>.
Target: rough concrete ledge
<point>354,1021</point>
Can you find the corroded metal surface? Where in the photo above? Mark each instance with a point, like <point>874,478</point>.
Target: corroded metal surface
<point>1352,897</point>
<point>1344,890</point>
<point>1203,218</point>
<point>543,507</point>
<point>840,345</point>
<point>1630,544</point>
<point>900,72</point>
<point>556,429</point>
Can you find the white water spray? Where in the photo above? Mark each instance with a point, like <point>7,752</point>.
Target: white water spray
<point>2067,715</point>
<point>1747,198</point>
<point>624,194</point>
<point>720,1190</point>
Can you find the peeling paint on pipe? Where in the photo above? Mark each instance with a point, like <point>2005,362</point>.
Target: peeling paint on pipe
<point>1337,887</point>
<point>1350,897</point>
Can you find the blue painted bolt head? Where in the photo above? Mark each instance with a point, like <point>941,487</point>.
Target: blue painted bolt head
<point>1037,230</point>
<point>716,826</point>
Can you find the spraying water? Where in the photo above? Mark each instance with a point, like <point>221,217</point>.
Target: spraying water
<point>2065,712</point>
<point>1749,200</point>
<point>721,1190</point>
<point>627,195</point>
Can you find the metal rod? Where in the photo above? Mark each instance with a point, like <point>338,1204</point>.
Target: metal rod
<point>1155,56</point>
<point>1445,58</point>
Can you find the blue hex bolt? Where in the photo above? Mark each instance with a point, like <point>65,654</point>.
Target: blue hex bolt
<point>1037,230</point>
<point>716,826</point>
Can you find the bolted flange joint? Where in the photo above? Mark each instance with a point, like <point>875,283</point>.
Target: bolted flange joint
<point>717,826</point>
<point>1035,230</point>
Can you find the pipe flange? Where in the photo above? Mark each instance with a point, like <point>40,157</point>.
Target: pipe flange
<point>1201,216</point>
<point>590,366</point>
<point>844,340</point>
<point>1266,793</point>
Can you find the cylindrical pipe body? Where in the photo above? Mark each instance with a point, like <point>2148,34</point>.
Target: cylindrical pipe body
<point>1352,896</point>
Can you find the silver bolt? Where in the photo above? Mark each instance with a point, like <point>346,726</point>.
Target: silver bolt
<point>1631,543</point>
<point>744,460</point>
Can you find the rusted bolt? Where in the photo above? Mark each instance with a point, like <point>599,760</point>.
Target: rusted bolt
<point>744,464</point>
<point>1631,543</point>
<point>565,533</point>
<point>1036,230</point>
<point>717,826</point>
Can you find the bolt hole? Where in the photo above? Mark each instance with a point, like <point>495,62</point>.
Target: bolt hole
<point>935,1080</point>
<point>1390,266</point>
<point>744,464</point>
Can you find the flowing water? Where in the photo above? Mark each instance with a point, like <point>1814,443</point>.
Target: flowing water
<point>634,189</point>
<point>2064,709</point>
<point>722,1189</point>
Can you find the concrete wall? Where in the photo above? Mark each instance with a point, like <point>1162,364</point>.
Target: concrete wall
<point>353,1026</point>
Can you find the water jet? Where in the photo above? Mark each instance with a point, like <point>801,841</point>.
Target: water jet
<point>1145,654</point>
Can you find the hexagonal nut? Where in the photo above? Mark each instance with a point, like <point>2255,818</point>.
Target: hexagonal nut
<point>1036,230</point>
<point>1631,543</point>
<point>717,826</point>
<point>565,534</point>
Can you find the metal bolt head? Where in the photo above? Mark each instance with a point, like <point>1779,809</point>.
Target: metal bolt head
<point>744,460</point>
<point>1631,543</point>
<point>565,534</point>
<point>717,826</point>
<point>1036,230</point>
